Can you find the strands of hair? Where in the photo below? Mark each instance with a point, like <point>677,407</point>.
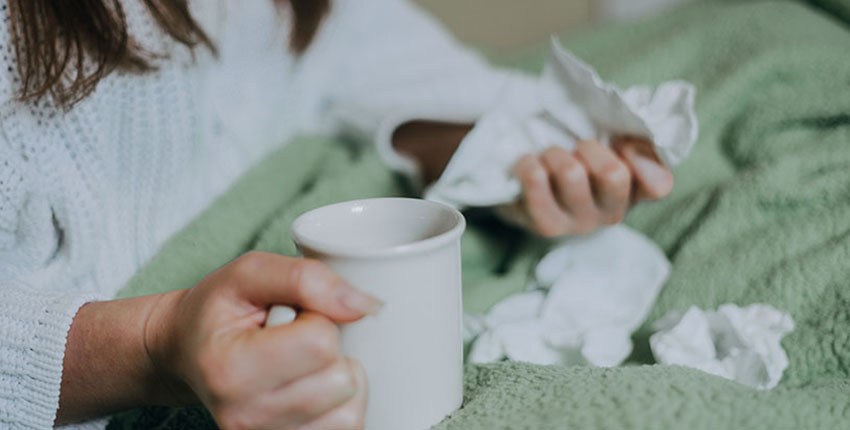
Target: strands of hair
<point>63,49</point>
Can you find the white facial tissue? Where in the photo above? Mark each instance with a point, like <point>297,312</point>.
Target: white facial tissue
<point>741,344</point>
<point>574,104</point>
<point>590,292</point>
<point>593,292</point>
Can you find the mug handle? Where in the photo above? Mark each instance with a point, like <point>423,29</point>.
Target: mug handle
<point>280,315</point>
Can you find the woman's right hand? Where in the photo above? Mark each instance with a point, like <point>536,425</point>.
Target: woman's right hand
<point>212,341</point>
<point>576,192</point>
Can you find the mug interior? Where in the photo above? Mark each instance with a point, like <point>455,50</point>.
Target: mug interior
<point>376,226</point>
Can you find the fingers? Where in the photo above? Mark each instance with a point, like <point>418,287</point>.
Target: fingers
<point>264,279</point>
<point>574,193</point>
<point>569,178</point>
<point>281,354</point>
<point>610,177</point>
<point>336,387</point>
<point>653,179</point>
<point>349,416</point>
<point>548,218</point>
<point>323,396</point>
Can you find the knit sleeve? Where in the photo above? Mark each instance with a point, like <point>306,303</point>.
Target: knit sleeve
<point>34,317</point>
<point>393,63</point>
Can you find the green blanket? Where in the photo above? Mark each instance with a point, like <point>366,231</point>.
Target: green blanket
<point>760,213</point>
<point>839,8</point>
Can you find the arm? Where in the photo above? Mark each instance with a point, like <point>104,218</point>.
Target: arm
<point>107,366</point>
<point>65,357</point>
<point>430,143</point>
<point>386,64</point>
<point>40,297</point>
<point>419,93</point>
<point>208,344</point>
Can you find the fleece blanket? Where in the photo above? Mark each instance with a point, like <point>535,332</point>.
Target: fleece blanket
<point>760,213</point>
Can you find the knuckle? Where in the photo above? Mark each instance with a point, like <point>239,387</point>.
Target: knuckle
<point>530,170</point>
<point>537,177</point>
<point>339,382</point>
<point>342,380</point>
<point>616,175</point>
<point>322,342</point>
<point>304,407</point>
<point>554,153</point>
<point>586,145</point>
<point>524,163</point>
<point>351,418</point>
<point>309,267</point>
<point>572,172</point>
<point>538,195</point>
<point>247,264</point>
<point>304,273</point>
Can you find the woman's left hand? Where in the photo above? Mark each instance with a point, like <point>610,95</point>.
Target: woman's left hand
<point>576,192</point>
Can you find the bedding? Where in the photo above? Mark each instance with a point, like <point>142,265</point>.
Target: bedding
<point>839,8</point>
<point>760,213</point>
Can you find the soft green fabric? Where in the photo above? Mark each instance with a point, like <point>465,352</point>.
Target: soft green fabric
<point>308,173</point>
<point>760,213</point>
<point>839,8</point>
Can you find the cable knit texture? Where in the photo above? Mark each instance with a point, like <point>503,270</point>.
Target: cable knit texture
<point>88,195</point>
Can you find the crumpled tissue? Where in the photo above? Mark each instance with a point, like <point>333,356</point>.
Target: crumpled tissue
<point>741,344</point>
<point>591,293</point>
<point>574,104</point>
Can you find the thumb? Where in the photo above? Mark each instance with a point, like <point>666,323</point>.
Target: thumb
<point>266,279</point>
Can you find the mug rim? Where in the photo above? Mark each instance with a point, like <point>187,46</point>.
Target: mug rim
<point>422,245</point>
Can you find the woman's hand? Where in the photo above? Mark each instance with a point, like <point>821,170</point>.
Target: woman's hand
<point>252,377</point>
<point>572,193</point>
<point>564,192</point>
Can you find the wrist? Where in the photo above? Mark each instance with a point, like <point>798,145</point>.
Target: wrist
<point>108,365</point>
<point>167,385</point>
<point>431,144</point>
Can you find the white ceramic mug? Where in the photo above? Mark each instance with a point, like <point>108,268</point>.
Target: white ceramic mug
<point>405,252</point>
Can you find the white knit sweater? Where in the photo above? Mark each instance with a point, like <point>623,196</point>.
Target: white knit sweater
<point>88,196</point>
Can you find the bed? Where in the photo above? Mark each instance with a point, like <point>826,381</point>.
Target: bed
<point>760,213</point>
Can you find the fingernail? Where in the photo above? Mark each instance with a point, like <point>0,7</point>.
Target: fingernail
<point>361,302</point>
<point>652,171</point>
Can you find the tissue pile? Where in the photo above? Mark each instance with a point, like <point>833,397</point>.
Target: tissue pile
<point>590,293</point>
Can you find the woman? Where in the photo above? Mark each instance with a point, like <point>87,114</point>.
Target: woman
<point>123,120</point>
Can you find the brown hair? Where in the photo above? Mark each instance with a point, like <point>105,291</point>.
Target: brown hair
<point>64,48</point>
